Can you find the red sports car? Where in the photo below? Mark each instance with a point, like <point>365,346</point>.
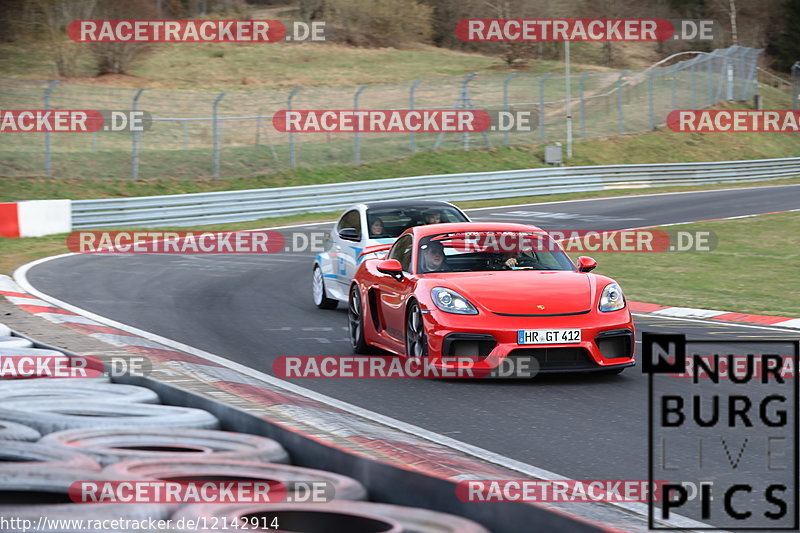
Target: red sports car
<point>492,293</point>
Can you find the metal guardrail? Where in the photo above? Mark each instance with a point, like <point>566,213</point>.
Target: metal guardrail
<point>254,204</point>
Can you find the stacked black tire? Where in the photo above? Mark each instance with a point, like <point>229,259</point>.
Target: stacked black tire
<point>55,432</point>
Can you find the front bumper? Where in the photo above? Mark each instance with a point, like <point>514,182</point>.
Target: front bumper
<point>488,342</point>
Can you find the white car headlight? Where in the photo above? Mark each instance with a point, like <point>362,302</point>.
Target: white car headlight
<point>611,299</point>
<point>450,301</point>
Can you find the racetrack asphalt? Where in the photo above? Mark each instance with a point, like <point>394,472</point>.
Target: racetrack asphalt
<point>254,308</point>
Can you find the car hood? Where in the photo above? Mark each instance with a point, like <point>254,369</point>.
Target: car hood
<point>526,292</point>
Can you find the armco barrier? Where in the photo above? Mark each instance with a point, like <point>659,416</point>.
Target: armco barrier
<point>254,204</point>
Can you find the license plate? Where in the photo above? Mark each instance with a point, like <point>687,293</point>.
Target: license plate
<point>548,336</point>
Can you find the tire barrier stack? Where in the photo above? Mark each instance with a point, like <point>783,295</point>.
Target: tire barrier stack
<point>57,432</point>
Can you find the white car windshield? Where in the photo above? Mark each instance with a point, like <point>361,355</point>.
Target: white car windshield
<point>393,221</point>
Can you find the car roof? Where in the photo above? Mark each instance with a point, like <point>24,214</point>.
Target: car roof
<point>407,203</point>
<point>434,229</point>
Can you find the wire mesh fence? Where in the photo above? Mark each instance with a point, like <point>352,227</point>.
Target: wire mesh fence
<point>196,135</point>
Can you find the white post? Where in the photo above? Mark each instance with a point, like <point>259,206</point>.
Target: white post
<point>569,102</point>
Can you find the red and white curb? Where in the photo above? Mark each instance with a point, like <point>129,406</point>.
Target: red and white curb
<point>35,218</point>
<point>713,314</point>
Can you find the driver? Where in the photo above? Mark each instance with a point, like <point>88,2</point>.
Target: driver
<point>433,259</point>
<point>432,216</point>
<point>518,259</point>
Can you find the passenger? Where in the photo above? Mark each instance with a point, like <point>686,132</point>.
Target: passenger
<point>376,227</point>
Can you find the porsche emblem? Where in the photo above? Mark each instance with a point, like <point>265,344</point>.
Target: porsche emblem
<point>541,307</point>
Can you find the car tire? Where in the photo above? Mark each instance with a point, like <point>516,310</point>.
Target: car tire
<point>355,321</point>
<point>416,338</point>
<point>114,444</point>
<point>15,342</point>
<point>49,416</point>
<point>11,431</point>
<point>319,293</point>
<point>49,389</point>
<point>43,455</point>
<point>30,493</point>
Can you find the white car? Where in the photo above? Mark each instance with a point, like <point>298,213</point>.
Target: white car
<point>365,225</point>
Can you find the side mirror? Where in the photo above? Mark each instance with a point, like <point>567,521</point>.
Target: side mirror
<point>350,234</point>
<point>391,267</point>
<point>586,264</point>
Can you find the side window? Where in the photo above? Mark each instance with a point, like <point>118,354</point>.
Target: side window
<point>402,252</point>
<point>351,219</point>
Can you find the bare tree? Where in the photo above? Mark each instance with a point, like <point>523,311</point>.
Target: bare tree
<point>116,58</point>
<point>50,24</point>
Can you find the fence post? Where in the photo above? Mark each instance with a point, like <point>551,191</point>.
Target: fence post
<point>356,139</point>
<point>292,153</point>
<point>796,85</point>
<point>542,135</point>
<point>693,83</point>
<point>215,126</point>
<point>413,138</point>
<point>620,116</point>
<point>258,127</point>
<point>651,104</point>
<point>135,137</point>
<point>466,103</point>
<point>185,124</point>
<point>728,80</point>
<point>48,157</point>
<point>506,81</point>
<point>582,104</point>
<point>673,77</point>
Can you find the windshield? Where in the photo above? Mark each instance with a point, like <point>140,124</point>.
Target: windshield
<point>478,251</point>
<point>392,221</point>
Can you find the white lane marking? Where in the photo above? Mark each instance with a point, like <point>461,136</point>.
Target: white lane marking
<point>20,276</point>
<point>689,312</point>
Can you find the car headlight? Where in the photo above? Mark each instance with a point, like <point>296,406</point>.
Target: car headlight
<point>612,299</point>
<point>451,302</point>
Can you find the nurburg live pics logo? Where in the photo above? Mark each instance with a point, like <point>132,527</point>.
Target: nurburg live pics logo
<point>725,442</point>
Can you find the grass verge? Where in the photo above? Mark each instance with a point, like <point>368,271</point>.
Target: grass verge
<point>752,270</point>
